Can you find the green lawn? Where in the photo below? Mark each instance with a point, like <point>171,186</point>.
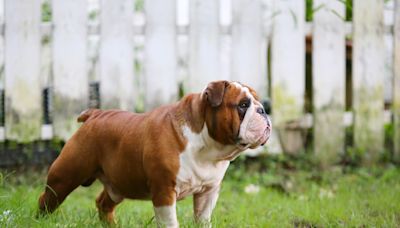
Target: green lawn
<point>289,199</point>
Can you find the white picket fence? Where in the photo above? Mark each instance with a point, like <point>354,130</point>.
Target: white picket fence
<point>139,58</point>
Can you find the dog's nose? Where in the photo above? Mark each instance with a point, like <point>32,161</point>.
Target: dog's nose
<point>261,111</point>
<point>269,124</point>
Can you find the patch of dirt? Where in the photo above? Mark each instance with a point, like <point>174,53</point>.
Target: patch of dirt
<point>301,223</point>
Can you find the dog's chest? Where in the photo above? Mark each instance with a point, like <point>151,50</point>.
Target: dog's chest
<point>197,171</point>
<point>195,176</point>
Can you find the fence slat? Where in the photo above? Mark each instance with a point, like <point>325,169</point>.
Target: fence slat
<point>22,68</point>
<point>116,55</point>
<point>287,65</point>
<point>225,48</point>
<point>388,17</point>
<point>182,20</point>
<point>160,53</point>
<point>328,81</point>
<point>204,59</point>
<point>368,77</point>
<point>69,64</point>
<point>248,45</point>
<point>396,87</point>
<point>45,76</point>
<point>2,78</point>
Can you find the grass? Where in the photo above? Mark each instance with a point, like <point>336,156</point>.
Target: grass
<point>361,198</point>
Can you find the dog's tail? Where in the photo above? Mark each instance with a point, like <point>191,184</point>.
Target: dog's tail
<point>85,115</point>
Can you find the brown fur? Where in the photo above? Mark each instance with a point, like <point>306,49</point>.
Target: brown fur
<point>138,154</point>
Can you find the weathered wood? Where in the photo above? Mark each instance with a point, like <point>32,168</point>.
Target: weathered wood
<point>46,85</point>
<point>160,53</point>
<point>226,48</point>
<point>182,20</point>
<point>396,87</point>
<point>288,63</point>
<point>93,36</point>
<point>328,81</point>
<point>116,55</point>
<point>248,45</point>
<point>388,17</point>
<point>2,129</point>
<point>368,70</point>
<point>69,64</point>
<point>22,68</point>
<point>204,58</point>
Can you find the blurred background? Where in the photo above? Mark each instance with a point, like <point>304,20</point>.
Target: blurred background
<point>328,71</point>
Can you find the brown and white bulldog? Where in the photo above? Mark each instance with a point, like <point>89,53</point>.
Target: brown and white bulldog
<point>163,155</point>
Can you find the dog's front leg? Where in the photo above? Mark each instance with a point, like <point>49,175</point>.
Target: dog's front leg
<point>166,216</point>
<point>164,203</point>
<point>204,203</point>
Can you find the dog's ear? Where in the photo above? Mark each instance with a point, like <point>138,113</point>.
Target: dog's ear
<point>214,93</point>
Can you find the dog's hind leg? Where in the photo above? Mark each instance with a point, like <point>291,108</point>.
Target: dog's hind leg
<point>54,194</point>
<point>67,172</point>
<point>106,205</point>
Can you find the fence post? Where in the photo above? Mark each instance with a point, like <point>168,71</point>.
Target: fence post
<point>116,55</point>
<point>69,64</point>
<point>249,46</point>
<point>368,70</point>
<point>22,68</point>
<point>204,58</point>
<point>328,80</point>
<point>288,68</point>
<point>396,87</point>
<point>160,53</point>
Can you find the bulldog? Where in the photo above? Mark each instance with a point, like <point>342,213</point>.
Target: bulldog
<point>164,155</point>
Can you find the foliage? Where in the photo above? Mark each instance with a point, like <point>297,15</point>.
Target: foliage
<point>46,11</point>
<point>139,6</point>
<point>311,9</point>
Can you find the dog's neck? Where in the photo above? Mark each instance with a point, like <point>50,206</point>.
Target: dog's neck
<point>196,134</point>
<point>206,149</point>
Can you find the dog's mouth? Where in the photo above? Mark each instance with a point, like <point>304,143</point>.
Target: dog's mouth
<point>261,141</point>
<point>243,146</point>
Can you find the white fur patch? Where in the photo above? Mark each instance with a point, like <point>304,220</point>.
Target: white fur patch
<point>243,90</point>
<point>200,165</point>
<point>166,216</point>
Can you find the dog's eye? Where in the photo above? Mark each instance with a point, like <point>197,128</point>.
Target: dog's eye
<point>242,108</point>
<point>244,105</point>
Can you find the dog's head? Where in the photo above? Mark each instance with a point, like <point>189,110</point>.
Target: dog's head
<point>235,115</point>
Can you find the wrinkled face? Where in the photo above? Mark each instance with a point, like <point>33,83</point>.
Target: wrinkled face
<point>234,115</point>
